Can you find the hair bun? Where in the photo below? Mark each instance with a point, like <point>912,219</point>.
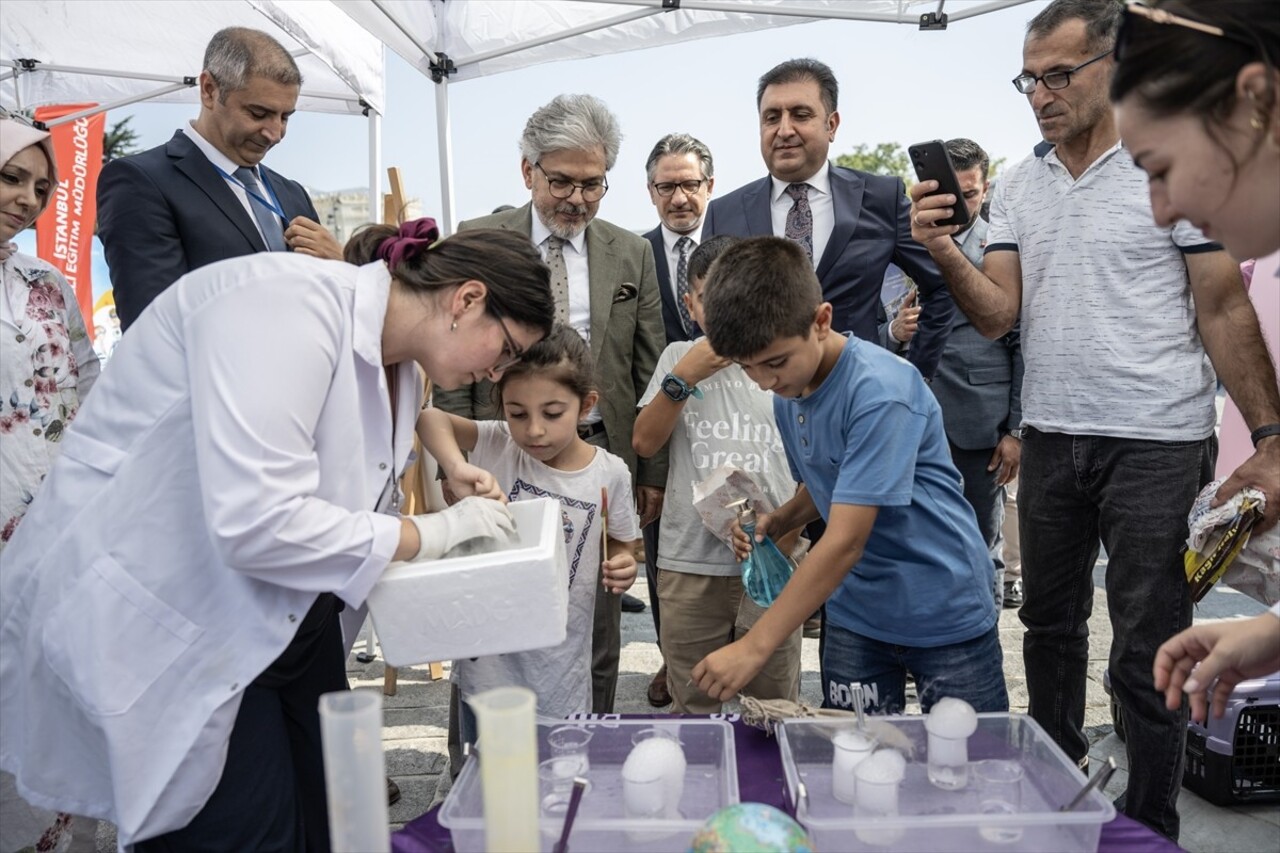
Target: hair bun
<point>414,237</point>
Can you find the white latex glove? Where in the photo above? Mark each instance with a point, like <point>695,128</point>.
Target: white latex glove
<point>470,518</point>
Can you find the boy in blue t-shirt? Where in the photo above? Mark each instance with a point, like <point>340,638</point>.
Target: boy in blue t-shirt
<point>902,567</point>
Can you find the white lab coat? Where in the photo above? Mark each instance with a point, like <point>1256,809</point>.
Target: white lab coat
<point>224,471</point>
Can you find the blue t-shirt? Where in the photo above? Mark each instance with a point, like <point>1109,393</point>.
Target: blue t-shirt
<point>871,435</point>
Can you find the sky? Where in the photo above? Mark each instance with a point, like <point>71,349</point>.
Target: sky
<point>897,84</point>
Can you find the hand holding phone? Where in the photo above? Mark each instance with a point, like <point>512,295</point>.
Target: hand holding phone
<point>933,163</point>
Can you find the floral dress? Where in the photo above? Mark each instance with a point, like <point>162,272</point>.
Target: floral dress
<point>47,365</point>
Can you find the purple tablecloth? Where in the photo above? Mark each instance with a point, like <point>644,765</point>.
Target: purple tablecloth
<point>760,780</point>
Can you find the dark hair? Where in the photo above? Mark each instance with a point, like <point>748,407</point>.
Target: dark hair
<point>797,71</point>
<point>236,54</point>
<point>706,252</point>
<point>1101,18</point>
<point>518,282</point>
<point>1173,69</point>
<point>965,154</point>
<point>758,290</point>
<point>562,356</point>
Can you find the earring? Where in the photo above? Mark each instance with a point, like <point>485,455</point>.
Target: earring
<point>1258,121</point>
<point>454,326</point>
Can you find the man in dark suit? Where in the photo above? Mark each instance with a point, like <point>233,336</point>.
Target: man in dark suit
<point>606,287</point>
<point>979,382</point>
<point>853,224</point>
<point>680,175</point>
<point>203,196</point>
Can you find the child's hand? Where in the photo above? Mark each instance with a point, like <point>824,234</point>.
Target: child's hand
<point>699,363</point>
<point>466,480</point>
<point>726,671</point>
<point>619,573</point>
<point>742,544</point>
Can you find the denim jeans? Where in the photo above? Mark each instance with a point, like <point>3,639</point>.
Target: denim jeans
<point>1134,495</point>
<point>987,500</point>
<point>972,670</point>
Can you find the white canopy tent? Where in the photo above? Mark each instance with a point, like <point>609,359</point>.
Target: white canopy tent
<point>464,39</point>
<point>119,52</point>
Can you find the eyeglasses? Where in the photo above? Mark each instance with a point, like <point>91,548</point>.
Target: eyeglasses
<point>1133,10</point>
<point>1026,83</point>
<point>511,352</point>
<point>563,187</point>
<point>667,189</point>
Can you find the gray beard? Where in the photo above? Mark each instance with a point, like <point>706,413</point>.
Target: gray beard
<point>559,230</point>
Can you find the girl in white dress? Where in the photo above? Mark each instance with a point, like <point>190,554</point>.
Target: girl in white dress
<point>536,452</point>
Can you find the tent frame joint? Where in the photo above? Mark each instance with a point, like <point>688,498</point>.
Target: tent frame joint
<point>670,5</point>
<point>933,21</point>
<point>442,68</point>
<point>27,64</point>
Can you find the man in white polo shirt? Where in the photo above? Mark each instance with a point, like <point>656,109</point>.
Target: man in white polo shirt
<point>1123,325</point>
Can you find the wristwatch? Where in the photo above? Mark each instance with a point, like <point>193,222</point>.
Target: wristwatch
<point>679,390</point>
<point>1018,433</point>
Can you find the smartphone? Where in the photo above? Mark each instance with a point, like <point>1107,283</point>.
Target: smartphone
<point>933,163</point>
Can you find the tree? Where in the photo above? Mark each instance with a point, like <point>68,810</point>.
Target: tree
<point>119,141</point>
<point>886,158</point>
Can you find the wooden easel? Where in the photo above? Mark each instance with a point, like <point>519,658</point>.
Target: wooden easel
<point>421,494</point>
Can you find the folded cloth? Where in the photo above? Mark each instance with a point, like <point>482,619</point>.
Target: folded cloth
<point>1222,545</point>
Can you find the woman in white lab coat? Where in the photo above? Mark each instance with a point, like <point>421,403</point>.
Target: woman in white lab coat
<point>168,608</point>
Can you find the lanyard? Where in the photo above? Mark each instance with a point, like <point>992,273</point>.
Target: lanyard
<point>273,205</point>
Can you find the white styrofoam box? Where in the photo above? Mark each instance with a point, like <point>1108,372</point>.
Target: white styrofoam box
<point>944,821</point>
<point>484,604</point>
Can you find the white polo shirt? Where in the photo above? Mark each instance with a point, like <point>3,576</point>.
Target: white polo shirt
<point>1108,326</point>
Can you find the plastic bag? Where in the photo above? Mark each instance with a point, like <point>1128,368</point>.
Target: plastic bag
<point>1222,545</point>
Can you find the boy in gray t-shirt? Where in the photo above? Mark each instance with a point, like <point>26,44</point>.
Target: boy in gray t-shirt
<point>713,415</point>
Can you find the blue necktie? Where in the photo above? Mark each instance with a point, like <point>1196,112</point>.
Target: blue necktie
<point>268,221</point>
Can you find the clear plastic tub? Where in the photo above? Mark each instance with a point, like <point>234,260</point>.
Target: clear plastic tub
<point>710,783</point>
<point>942,821</point>
<point>483,604</point>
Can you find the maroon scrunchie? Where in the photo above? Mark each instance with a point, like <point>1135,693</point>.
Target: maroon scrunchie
<point>415,237</point>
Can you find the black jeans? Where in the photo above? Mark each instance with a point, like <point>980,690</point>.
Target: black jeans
<point>987,500</point>
<point>1134,495</point>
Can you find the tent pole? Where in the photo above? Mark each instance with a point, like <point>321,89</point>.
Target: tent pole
<point>799,9</point>
<point>444,140</point>
<point>102,108</point>
<point>375,166</point>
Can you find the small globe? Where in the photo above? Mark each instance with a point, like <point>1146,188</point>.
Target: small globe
<point>751,826</point>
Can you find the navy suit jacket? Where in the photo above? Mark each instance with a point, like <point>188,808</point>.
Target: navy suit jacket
<point>872,230</point>
<point>670,313</point>
<point>167,211</point>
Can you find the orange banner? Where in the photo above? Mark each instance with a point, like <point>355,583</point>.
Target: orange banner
<point>64,232</point>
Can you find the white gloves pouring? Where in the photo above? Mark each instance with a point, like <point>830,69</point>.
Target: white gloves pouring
<point>468,519</point>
